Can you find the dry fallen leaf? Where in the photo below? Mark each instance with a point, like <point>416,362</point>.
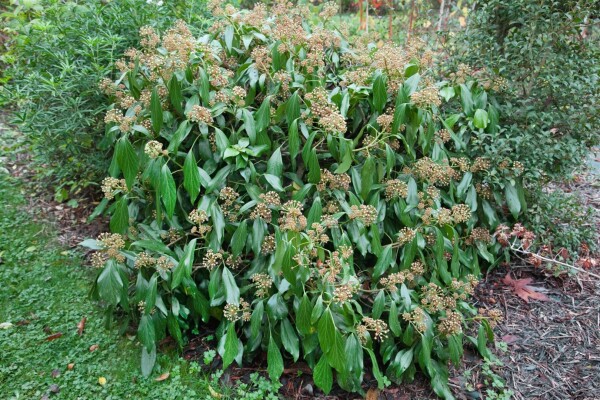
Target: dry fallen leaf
<point>81,326</point>
<point>102,381</point>
<point>162,377</point>
<point>55,373</point>
<point>94,347</point>
<point>54,336</point>
<point>70,366</point>
<point>522,289</point>
<point>372,394</point>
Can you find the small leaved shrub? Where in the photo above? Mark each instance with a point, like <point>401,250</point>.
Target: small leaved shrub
<point>57,53</point>
<point>305,193</point>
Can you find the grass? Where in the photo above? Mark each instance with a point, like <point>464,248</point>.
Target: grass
<point>44,291</point>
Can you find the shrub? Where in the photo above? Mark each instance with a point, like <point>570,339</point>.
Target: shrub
<point>548,52</point>
<point>59,51</point>
<point>305,194</point>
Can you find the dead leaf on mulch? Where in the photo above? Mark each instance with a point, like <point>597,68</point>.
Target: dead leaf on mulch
<point>522,289</point>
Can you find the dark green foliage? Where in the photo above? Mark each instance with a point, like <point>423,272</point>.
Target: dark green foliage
<point>549,53</point>
<point>309,197</point>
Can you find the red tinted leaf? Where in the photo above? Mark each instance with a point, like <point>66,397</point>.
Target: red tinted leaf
<point>522,289</point>
<point>94,347</point>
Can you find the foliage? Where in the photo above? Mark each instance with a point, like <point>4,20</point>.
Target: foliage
<point>58,53</point>
<point>304,193</point>
<point>44,292</point>
<point>562,222</point>
<point>550,56</point>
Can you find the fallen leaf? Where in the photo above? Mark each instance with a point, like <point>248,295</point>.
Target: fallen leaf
<point>70,366</point>
<point>162,377</point>
<point>214,393</point>
<point>522,288</point>
<point>55,373</point>
<point>102,381</point>
<point>508,339</point>
<point>54,336</point>
<point>94,347</point>
<point>6,325</point>
<point>372,394</point>
<point>81,326</point>
<point>54,388</point>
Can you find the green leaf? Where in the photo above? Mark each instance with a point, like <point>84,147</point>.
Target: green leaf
<point>466,99</point>
<point>257,318</point>
<point>156,112</point>
<point>447,92</point>
<point>293,142</point>
<point>231,346</point>
<point>368,177</point>
<point>119,222</point>
<point>512,199</point>
<point>317,310</point>
<point>464,184</point>
<point>314,170</point>
<point>110,284</point>
<point>482,342</point>
<point>184,267</point>
<point>191,176</point>
<point>238,240</point>
<point>379,93</point>
<point>274,360</point>
<point>175,330</point>
<point>167,190</point>
<point>127,160</point>
<point>455,348</point>
<point>232,292</point>
<point>480,119</point>
<point>292,109</point>
<point>290,339</point>
<point>175,94</point>
<point>378,305</point>
<point>383,262</point>
<point>275,164</point>
<point>146,332</point>
<point>274,181</point>
<point>303,317</point>
<point>148,361</point>
<point>394,322</point>
<point>331,341</point>
<point>263,115</point>
<point>322,375</point>
<point>249,125</point>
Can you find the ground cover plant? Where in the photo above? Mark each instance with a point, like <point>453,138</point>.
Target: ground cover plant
<point>56,53</point>
<point>309,195</point>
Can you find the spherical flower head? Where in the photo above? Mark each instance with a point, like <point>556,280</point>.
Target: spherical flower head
<point>200,114</point>
<point>154,149</point>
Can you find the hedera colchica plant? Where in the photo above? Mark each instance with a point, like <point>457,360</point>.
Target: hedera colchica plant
<point>305,193</point>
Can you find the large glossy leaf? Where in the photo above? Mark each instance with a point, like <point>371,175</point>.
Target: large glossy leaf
<point>232,292</point>
<point>274,360</point>
<point>156,112</point>
<point>289,339</point>
<point>127,160</point>
<point>191,176</point>
<point>322,375</point>
<point>168,191</point>
<point>110,284</point>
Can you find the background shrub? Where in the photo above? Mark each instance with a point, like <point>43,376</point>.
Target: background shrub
<point>549,54</point>
<point>58,53</point>
<point>305,194</point>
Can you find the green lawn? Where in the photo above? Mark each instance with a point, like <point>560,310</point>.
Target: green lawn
<point>44,291</point>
